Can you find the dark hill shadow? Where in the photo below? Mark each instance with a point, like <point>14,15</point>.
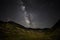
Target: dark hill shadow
<point>54,30</point>
<point>19,25</point>
<point>56,26</point>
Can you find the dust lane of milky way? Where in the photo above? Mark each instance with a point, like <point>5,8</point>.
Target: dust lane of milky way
<point>44,13</point>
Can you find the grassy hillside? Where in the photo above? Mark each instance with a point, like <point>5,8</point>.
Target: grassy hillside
<point>14,31</point>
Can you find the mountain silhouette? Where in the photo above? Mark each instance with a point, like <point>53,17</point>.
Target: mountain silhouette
<point>57,25</point>
<point>13,31</point>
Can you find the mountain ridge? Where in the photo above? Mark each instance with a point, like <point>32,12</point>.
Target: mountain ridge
<point>13,31</point>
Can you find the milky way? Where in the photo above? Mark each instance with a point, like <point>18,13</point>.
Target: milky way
<point>31,13</point>
<point>26,15</point>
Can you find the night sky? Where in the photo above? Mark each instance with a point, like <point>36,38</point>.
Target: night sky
<point>44,13</point>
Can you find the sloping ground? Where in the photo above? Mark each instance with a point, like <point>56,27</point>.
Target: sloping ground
<point>14,31</point>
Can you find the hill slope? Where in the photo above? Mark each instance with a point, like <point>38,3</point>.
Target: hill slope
<point>13,31</point>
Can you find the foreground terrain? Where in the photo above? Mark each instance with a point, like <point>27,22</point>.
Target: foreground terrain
<point>13,31</point>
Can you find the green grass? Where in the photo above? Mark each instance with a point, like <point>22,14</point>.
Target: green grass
<point>13,32</point>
